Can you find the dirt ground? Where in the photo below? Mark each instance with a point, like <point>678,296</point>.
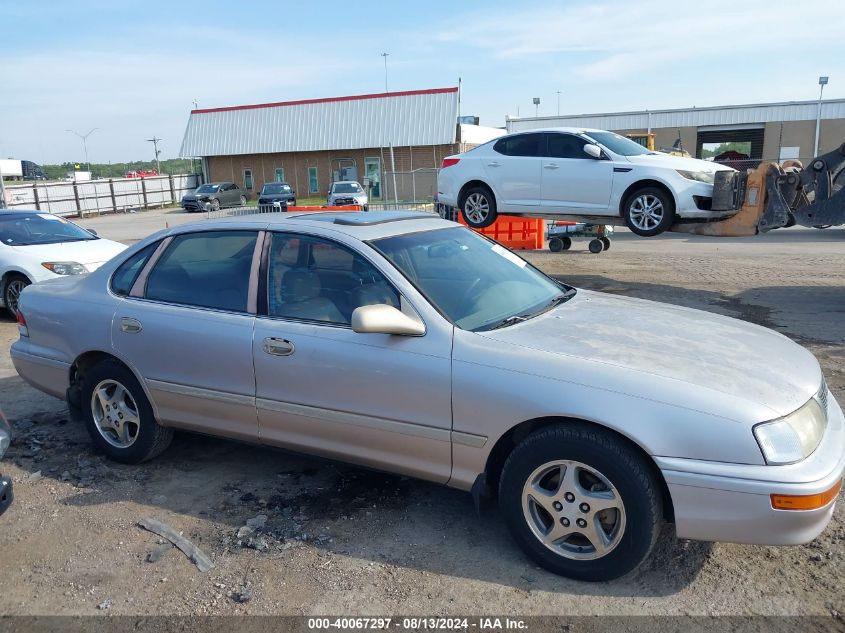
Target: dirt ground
<point>339,540</point>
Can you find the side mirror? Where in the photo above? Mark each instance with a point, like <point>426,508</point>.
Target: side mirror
<point>592,150</point>
<point>92,232</point>
<point>381,318</point>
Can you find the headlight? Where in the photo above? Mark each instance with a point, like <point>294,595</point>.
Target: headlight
<point>65,268</point>
<point>795,436</point>
<point>700,176</point>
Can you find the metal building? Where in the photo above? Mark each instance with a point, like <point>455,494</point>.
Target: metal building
<point>313,142</point>
<point>767,131</point>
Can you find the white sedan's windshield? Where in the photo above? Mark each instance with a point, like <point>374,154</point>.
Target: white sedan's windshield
<point>40,228</point>
<point>618,144</point>
<point>476,283</point>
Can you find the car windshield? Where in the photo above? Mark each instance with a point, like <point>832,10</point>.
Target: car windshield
<point>207,189</point>
<point>346,187</point>
<point>276,188</point>
<point>618,144</point>
<point>474,282</point>
<point>41,228</point>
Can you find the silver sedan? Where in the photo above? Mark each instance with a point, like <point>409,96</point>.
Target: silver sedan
<point>404,342</point>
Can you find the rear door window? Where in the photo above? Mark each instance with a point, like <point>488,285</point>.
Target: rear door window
<point>519,145</point>
<point>209,269</point>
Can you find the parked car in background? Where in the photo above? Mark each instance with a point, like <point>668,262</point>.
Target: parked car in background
<point>216,195</point>
<point>577,173</point>
<point>38,246</point>
<point>345,192</point>
<point>406,343</point>
<point>278,194</point>
<point>6,492</point>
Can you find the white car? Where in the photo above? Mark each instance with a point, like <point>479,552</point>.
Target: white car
<point>588,174</point>
<point>345,192</point>
<point>38,246</point>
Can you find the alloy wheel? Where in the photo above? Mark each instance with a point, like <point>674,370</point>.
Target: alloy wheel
<point>476,208</point>
<point>646,212</point>
<point>115,413</point>
<point>574,510</point>
<point>13,294</point>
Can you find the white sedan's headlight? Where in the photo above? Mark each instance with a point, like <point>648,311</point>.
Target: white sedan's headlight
<point>795,436</point>
<point>65,268</point>
<point>700,176</point>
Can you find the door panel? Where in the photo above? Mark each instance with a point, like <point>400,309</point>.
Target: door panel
<point>372,399</point>
<point>513,169</point>
<point>572,180</point>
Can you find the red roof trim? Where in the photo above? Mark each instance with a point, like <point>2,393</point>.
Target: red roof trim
<point>380,95</point>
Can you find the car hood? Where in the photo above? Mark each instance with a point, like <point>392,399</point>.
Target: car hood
<point>710,351</point>
<point>90,253</point>
<point>677,162</point>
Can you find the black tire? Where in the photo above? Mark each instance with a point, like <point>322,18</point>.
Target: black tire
<point>606,242</point>
<point>639,224</point>
<point>15,283</point>
<point>243,201</point>
<point>596,246</point>
<point>215,204</point>
<point>567,243</point>
<point>478,198</point>
<point>555,244</point>
<point>152,438</point>
<point>628,472</point>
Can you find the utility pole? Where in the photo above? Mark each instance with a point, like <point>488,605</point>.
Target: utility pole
<point>385,71</point>
<point>558,102</point>
<point>84,138</point>
<point>155,141</point>
<point>822,84</point>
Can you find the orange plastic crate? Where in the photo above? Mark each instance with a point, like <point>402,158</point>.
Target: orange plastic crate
<point>517,233</point>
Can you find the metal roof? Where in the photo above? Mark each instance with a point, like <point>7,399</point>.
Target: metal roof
<point>688,117</point>
<point>416,117</point>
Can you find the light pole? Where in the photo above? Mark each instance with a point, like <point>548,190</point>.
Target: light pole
<point>84,138</point>
<point>385,71</point>
<point>822,84</point>
<point>536,106</point>
<point>155,141</point>
<point>558,102</point>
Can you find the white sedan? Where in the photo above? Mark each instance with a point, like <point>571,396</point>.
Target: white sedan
<point>38,246</point>
<point>578,173</point>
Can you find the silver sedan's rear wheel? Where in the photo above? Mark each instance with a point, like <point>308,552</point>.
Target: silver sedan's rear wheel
<point>573,509</point>
<point>118,415</point>
<point>115,413</point>
<point>582,501</point>
<point>649,211</point>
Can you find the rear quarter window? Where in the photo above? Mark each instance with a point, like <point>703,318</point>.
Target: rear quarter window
<point>126,274</point>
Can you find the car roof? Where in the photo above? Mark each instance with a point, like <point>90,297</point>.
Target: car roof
<point>361,225</point>
<point>20,213</point>
<point>346,182</point>
<point>570,130</point>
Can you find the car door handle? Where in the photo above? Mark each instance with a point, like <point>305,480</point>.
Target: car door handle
<point>550,166</point>
<point>278,346</point>
<point>130,325</point>
<point>494,164</point>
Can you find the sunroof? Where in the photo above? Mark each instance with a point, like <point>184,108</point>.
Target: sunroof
<point>367,218</point>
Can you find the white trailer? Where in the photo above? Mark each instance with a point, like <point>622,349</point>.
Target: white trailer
<point>10,168</point>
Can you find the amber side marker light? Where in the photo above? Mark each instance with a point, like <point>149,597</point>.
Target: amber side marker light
<point>806,502</point>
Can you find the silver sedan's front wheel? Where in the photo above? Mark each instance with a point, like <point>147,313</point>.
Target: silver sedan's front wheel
<point>573,509</point>
<point>582,501</point>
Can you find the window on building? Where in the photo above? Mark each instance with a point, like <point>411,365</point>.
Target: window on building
<point>313,184</point>
<point>248,179</point>
<point>314,279</point>
<point>280,174</point>
<point>209,269</point>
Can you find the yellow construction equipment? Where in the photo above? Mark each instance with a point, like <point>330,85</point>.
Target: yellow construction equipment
<point>775,195</point>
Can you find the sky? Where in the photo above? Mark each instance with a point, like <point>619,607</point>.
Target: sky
<point>132,70</point>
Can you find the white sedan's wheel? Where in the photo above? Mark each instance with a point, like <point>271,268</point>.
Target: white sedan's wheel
<point>12,293</point>
<point>478,207</point>
<point>649,211</point>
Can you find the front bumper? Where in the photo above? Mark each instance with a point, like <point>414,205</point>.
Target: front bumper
<point>732,502</point>
<point>6,494</point>
<point>691,196</point>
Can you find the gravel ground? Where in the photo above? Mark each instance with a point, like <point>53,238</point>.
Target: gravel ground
<point>295,535</point>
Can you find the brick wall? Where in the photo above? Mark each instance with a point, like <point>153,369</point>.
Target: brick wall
<point>296,165</point>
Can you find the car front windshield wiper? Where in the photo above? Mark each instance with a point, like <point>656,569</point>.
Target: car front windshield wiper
<point>511,320</point>
<point>519,318</point>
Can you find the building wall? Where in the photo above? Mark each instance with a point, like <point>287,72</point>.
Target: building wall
<point>296,165</point>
